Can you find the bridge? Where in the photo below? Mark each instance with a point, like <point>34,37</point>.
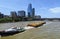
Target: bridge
<point>50,19</point>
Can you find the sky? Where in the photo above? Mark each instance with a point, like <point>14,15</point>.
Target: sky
<point>44,8</point>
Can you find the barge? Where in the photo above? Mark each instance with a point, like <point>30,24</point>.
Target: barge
<point>11,31</point>
<point>36,24</point>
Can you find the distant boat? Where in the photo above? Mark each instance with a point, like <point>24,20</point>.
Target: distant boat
<point>11,31</point>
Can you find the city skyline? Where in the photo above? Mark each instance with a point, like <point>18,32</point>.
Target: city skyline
<point>44,8</point>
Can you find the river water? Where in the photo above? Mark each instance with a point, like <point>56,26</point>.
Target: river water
<point>50,30</point>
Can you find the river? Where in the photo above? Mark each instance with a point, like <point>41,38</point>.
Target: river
<point>50,30</point>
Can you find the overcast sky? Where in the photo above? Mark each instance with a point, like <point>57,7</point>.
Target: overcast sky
<point>44,8</point>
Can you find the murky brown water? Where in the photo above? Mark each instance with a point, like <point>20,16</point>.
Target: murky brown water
<point>49,31</point>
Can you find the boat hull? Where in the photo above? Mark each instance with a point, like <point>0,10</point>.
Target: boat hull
<point>8,33</point>
<point>3,33</point>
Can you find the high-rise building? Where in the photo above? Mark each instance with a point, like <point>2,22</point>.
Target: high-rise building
<point>21,13</point>
<point>33,12</point>
<point>29,14</point>
<point>1,15</point>
<point>13,14</point>
<point>29,10</point>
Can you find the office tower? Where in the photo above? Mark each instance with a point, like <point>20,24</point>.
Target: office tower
<point>21,13</point>
<point>29,14</point>
<point>1,15</point>
<point>29,10</point>
<point>33,12</point>
<point>13,14</point>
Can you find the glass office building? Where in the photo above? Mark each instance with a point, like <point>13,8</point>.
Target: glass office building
<point>29,10</point>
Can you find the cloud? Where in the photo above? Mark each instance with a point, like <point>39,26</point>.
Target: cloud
<point>55,10</point>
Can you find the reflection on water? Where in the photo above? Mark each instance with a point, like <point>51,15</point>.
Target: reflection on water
<point>51,30</point>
